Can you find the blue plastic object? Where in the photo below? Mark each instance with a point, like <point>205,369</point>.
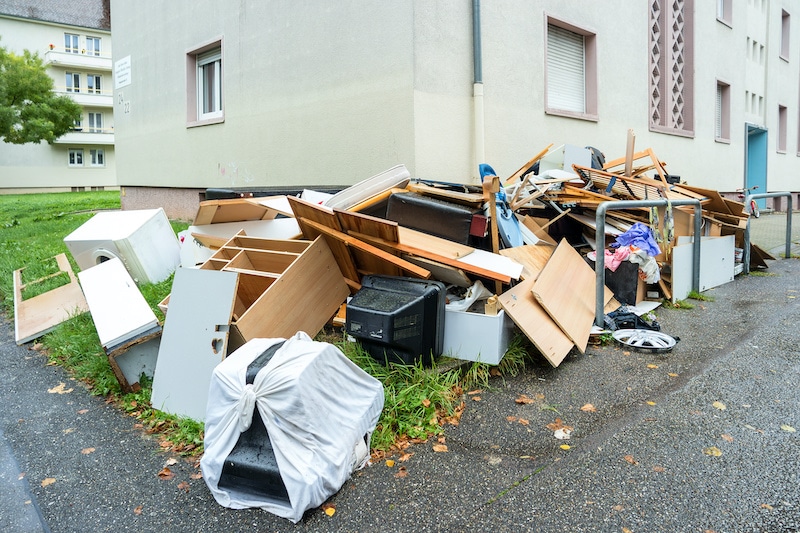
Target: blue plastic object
<point>507,223</point>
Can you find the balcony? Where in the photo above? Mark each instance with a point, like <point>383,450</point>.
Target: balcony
<point>83,61</point>
<point>84,137</point>
<point>86,99</point>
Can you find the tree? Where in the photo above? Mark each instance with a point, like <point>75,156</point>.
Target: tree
<point>30,112</point>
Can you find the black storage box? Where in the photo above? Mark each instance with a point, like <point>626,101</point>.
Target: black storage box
<point>397,319</point>
<point>623,282</point>
<point>251,467</point>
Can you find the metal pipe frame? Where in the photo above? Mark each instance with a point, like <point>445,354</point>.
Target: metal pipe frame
<point>746,244</point>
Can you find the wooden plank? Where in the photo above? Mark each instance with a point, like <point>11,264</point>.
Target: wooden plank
<point>233,210</point>
<point>535,323</point>
<point>522,170</point>
<point>433,254</point>
<point>717,203</point>
<point>472,199</point>
<point>441,272</point>
<point>341,252</point>
<point>533,258</point>
<point>423,241</point>
<point>566,289</point>
<point>322,215</point>
<point>38,315</point>
<point>366,224</point>
<point>386,263</point>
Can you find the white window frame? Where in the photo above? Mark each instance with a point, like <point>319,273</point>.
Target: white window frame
<point>97,157</point>
<point>571,70</point>
<point>94,83</point>
<point>95,122</point>
<point>783,125</point>
<point>73,82</point>
<point>725,12</point>
<point>205,64</point>
<point>786,23</point>
<point>92,46</point>
<point>75,157</point>
<point>722,129</point>
<point>72,43</point>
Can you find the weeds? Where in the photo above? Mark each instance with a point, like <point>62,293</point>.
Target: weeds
<point>694,295</point>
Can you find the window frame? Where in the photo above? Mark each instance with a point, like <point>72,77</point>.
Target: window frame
<point>786,24</point>
<point>783,125</point>
<point>75,157</point>
<point>72,43</point>
<point>210,52</point>
<point>73,82</point>
<point>94,83</point>
<point>590,99</point>
<point>91,49</point>
<point>95,122</point>
<point>722,127</point>
<point>97,157</point>
<point>725,12</point>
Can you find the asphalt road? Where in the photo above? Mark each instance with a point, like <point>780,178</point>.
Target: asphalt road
<point>698,439</point>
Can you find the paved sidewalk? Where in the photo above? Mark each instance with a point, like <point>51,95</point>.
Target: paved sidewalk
<point>645,460</point>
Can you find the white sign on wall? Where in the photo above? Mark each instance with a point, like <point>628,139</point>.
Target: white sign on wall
<point>122,72</point>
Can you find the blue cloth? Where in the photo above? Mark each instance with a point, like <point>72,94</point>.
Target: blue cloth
<point>641,236</point>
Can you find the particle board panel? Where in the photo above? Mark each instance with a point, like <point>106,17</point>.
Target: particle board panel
<point>532,257</point>
<point>422,241</point>
<point>341,252</point>
<point>566,290</point>
<point>535,323</point>
<point>194,340</point>
<point>234,210</point>
<point>38,315</point>
<point>368,225</point>
<point>444,273</point>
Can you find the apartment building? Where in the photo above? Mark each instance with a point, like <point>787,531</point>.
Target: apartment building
<point>74,40</point>
<point>312,93</point>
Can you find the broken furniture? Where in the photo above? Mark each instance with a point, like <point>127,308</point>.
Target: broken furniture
<point>398,320</point>
<point>142,239</point>
<point>128,329</point>
<point>33,317</point>
<point>317,439</point>
<point>477,336</point>
<point>250,288</point>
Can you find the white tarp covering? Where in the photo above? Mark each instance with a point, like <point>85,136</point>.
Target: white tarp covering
<point>316,405</point>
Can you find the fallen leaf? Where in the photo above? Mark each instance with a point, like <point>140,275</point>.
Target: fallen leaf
<point>626,530</point>
<point>440,447</point>
<point>558,424</point>
<point>650,402</point>
<point>672,375</point>
<point>766,506</point>
<point>166,473</point>
<point>474,392</point>
<point>48,481</point>
<point>626,353</point>
<point>87,451</point>
<point>401,472</point>
<point>712,451</point>
<point>652,366</point>
<point>138,510</point>
<point>329,509</point>
<point>405,456</point>
<point>441,440</point>
<point>476,398</point>
<point>165,443</point>
<point>389,463</point>
<point>631,460</point>
<point>565,446</point>
<point>198,475</point>
<point>184,486</point>
<point>589,408</point>
<point>511,418</point>
<point>788,428</point>
<point>524,398</point>
<point>524,422</point>
<point>562,434</point>
<point>726,438</point>
<point>719,405</point>
<point>171,461</point>
<point>68,431</point>
<point>659,469</point>
<point>426,402</point>
<point>618,508</point>
<point>59,389</point>
<point>495,372</point>
<point>83,411</point>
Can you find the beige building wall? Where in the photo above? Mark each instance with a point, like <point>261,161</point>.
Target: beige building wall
<point>45,167</point>
<point>316,95</point>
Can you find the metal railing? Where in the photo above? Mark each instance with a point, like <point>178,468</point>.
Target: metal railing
<point>746,244</point>
<point>600,231</point>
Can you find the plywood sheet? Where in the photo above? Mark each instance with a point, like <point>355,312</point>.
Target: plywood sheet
<point>535,323</point>
<point>194,340</point>
<point>532,257</point>
<point>235,210</point>
<point>566,289</point>
<point>38,315</point>
<point>368,225</point>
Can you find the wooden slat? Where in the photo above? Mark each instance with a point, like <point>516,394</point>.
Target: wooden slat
<point>518,174</point>
<point>390,262</point>
<point>533,258</point>
<point>234,210</point>
<point>535,323</point>
<point>341,253</point>
<point>423,241</point>
<point>473,199</point>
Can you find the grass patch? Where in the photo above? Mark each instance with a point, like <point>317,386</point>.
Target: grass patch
<point>760,274</point>
<point>31,290</point>
<point>682,304</point>
<point>694,295</point>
